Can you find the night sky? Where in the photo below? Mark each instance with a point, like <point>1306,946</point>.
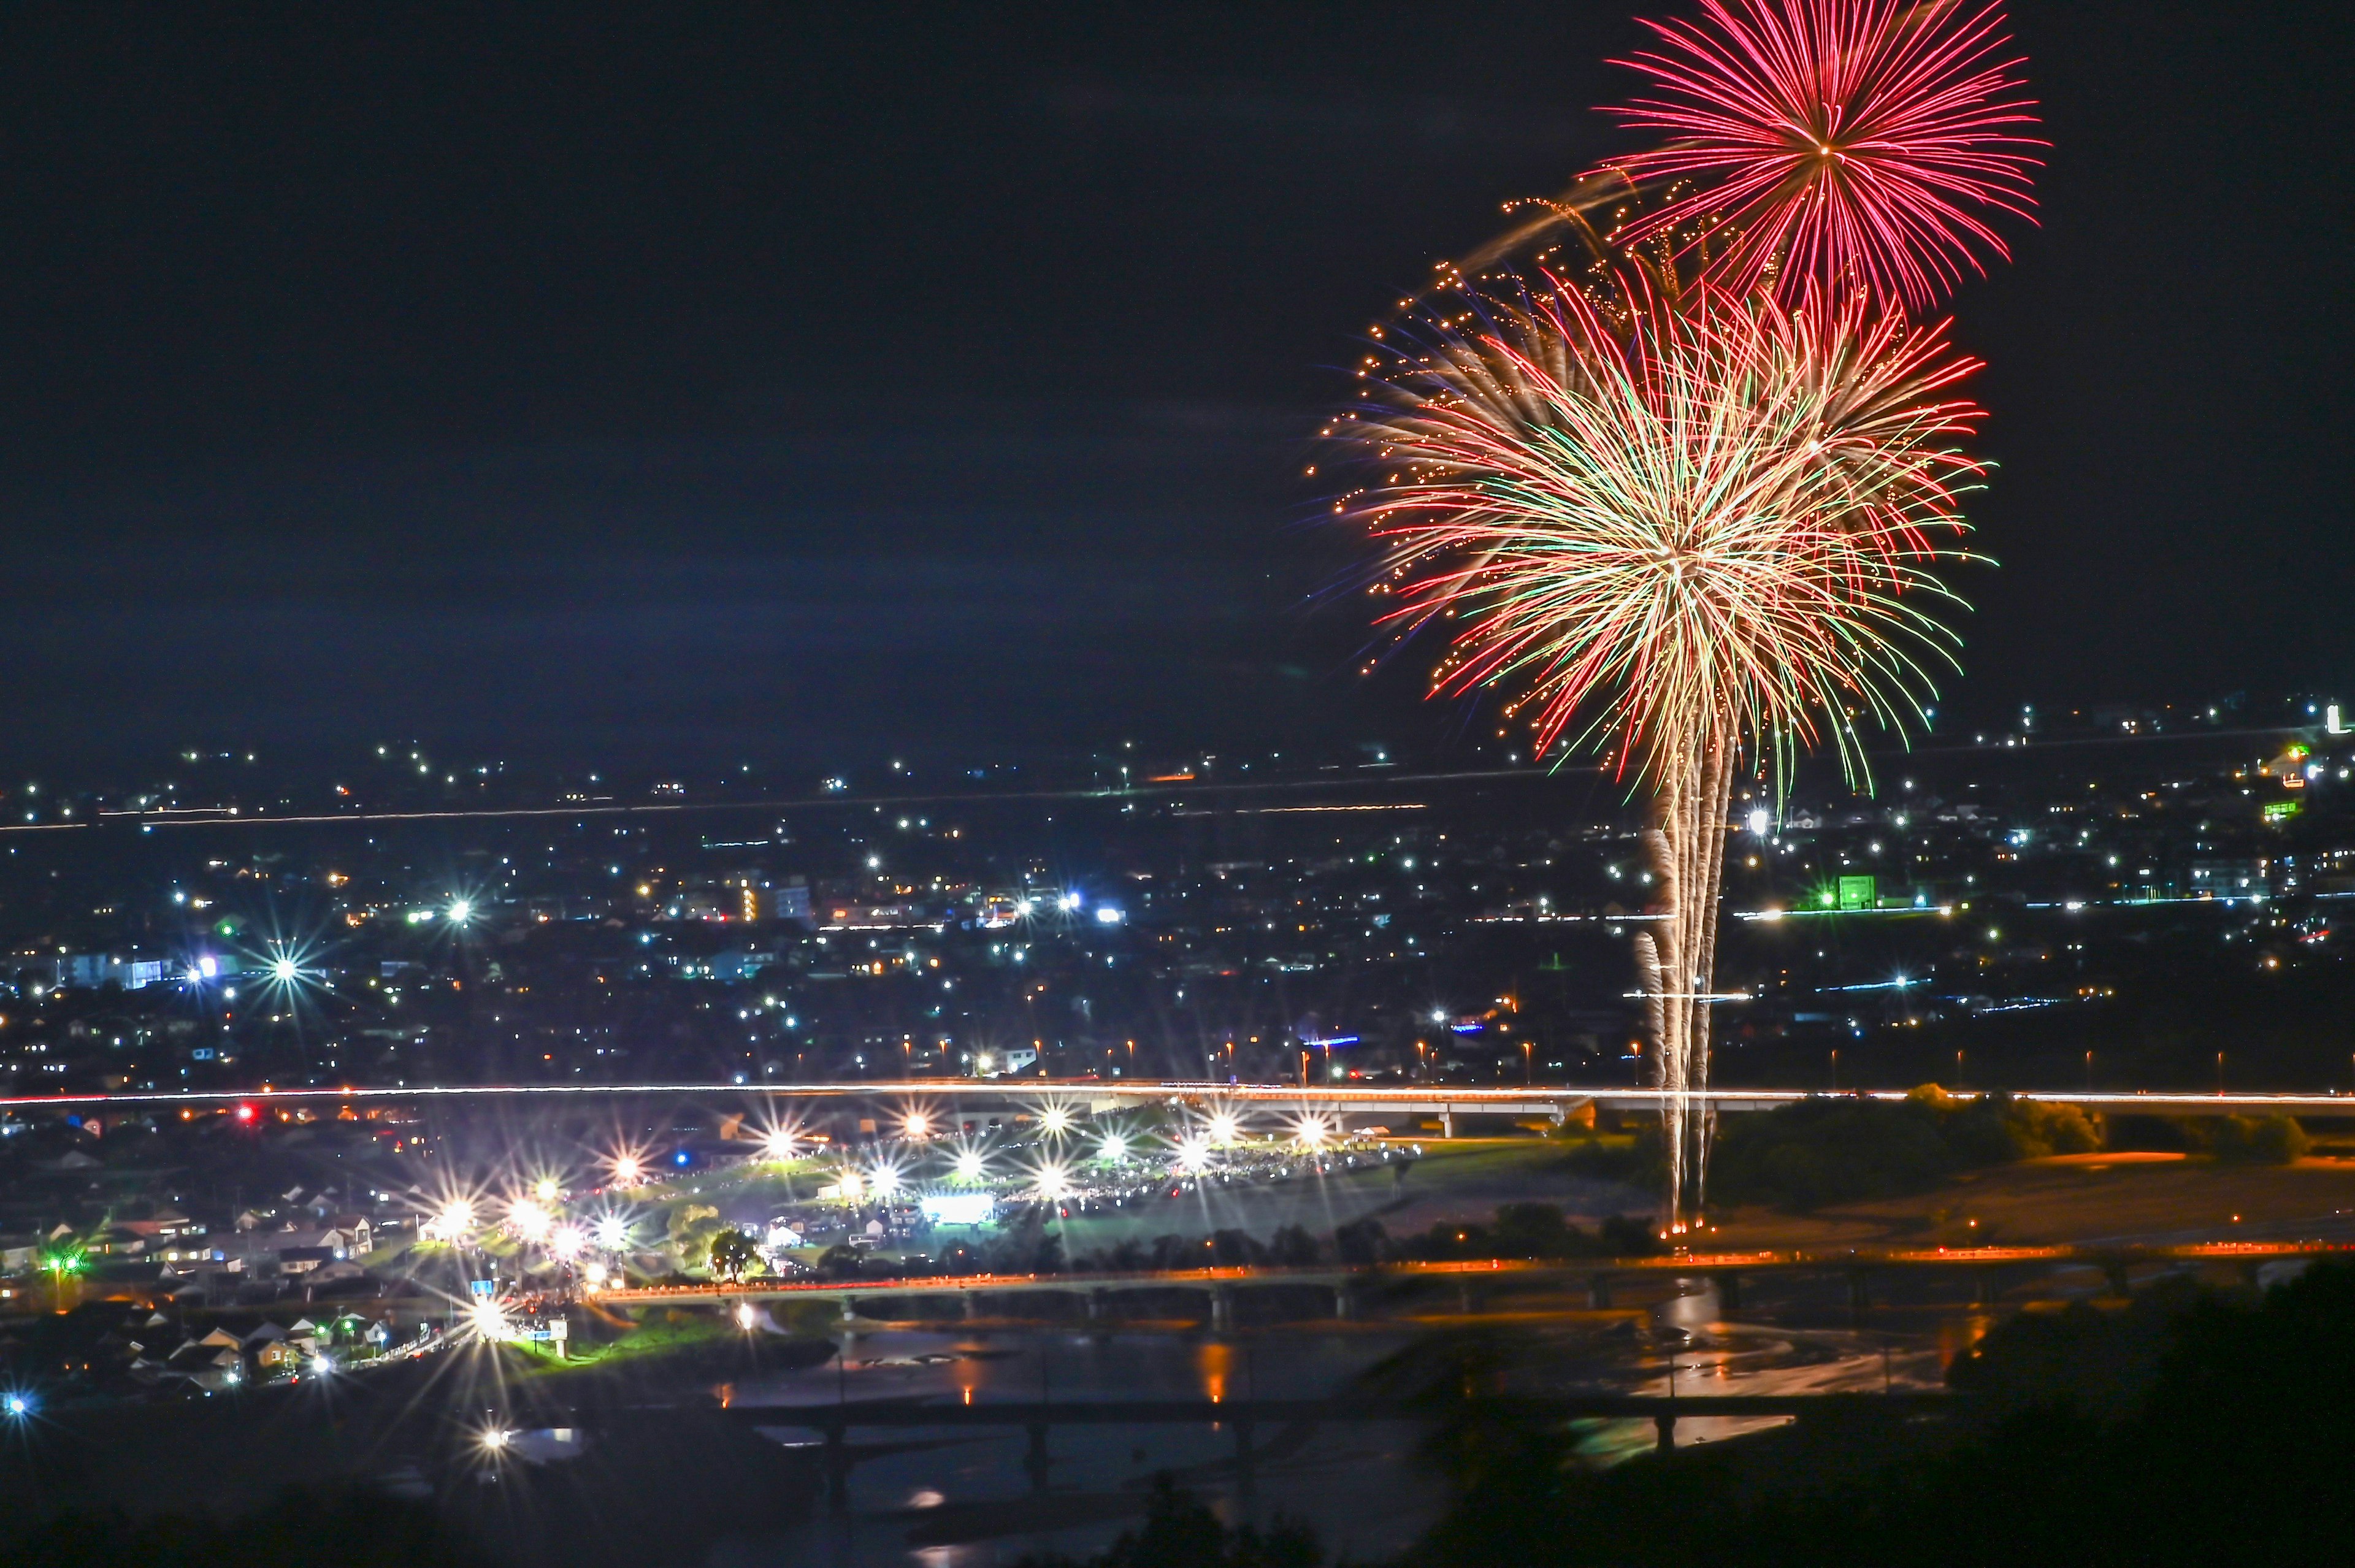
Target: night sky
<point>706,382</point>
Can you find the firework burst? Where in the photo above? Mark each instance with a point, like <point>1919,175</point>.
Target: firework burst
<point>1718,521</point>
<point>1709,528</point>
<point>1850,143</point>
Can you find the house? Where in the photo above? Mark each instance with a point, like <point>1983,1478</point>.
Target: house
<point>274,1350</point>
<point>119,1241</point>
<point>167,1224</point>
<point>337,1277</point>
<point>295,1261</point>
<point>299,1251</point>
<point>214,1363</point>
<point>222,1370</point>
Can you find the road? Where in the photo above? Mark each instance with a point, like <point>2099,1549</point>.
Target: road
<point>1445,1101</point>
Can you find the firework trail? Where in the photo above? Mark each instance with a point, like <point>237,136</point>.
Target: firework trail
<point>1851,143</point>
<point>1706,530</point>
<point>1685,499</point>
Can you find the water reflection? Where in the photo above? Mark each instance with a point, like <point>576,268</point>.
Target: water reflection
<point>956,1497</point>
<point>960,1498</point>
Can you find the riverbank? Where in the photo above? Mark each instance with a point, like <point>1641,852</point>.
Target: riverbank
<point>2073,1199</point>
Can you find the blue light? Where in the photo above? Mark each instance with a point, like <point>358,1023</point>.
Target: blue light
<point>679,1159</point>
<point>17,1405</point>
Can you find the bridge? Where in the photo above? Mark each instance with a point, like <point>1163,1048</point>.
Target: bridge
<point>1446,1102</point>
<point>1983,1266</point>
<point>1243,1417</point>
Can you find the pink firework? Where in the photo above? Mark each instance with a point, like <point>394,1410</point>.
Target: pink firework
<point>1853,144</point>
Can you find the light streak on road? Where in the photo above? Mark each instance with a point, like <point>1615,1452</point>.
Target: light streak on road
<point>1069,1094</point>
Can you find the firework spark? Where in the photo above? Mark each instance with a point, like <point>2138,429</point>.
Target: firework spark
<point>1706,526</point>
<point>1861,142</point>
<point>1716,522</point>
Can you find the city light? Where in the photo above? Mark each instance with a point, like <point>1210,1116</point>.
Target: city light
<point>546,1190</point>
<point>1224,1128</point>
<point>489,1323</point>
<point>567,1241</point>
<point>778,1142</point>
<point>494,1440</point>
<point>1055,1121</point>
<point>528,1219</point>
<point>971,1165</point>
<point>1115,1149</point>
<point>628,1170</point>
<point>747,1317</point>
<point>1311,1131</point>
<point>461,910</point>
<point>918,1124</point>
<point>1193,1155</point>
<point>1053,1182</point>
<point>17,1405</point>
<point>613,1233</point>
<point>958,1207</point>
<point>454,1222</point>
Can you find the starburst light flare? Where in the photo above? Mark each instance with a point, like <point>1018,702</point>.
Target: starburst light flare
<point>1849,143</point>
<point>1691,532</point>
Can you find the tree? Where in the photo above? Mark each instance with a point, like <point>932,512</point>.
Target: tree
<point>1535,1230</point>
<point>1361,1242</point>
<point>690,1229</point>
<point>733,1252</point>
<point>1293,1247</point>
<point>2251,1140</point>
<point>1180,1532</point>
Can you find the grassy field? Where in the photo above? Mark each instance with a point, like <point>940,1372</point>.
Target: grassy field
<point>2071,1198</point>
<point>1463,1180</point>
<point>1460,1179</point>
